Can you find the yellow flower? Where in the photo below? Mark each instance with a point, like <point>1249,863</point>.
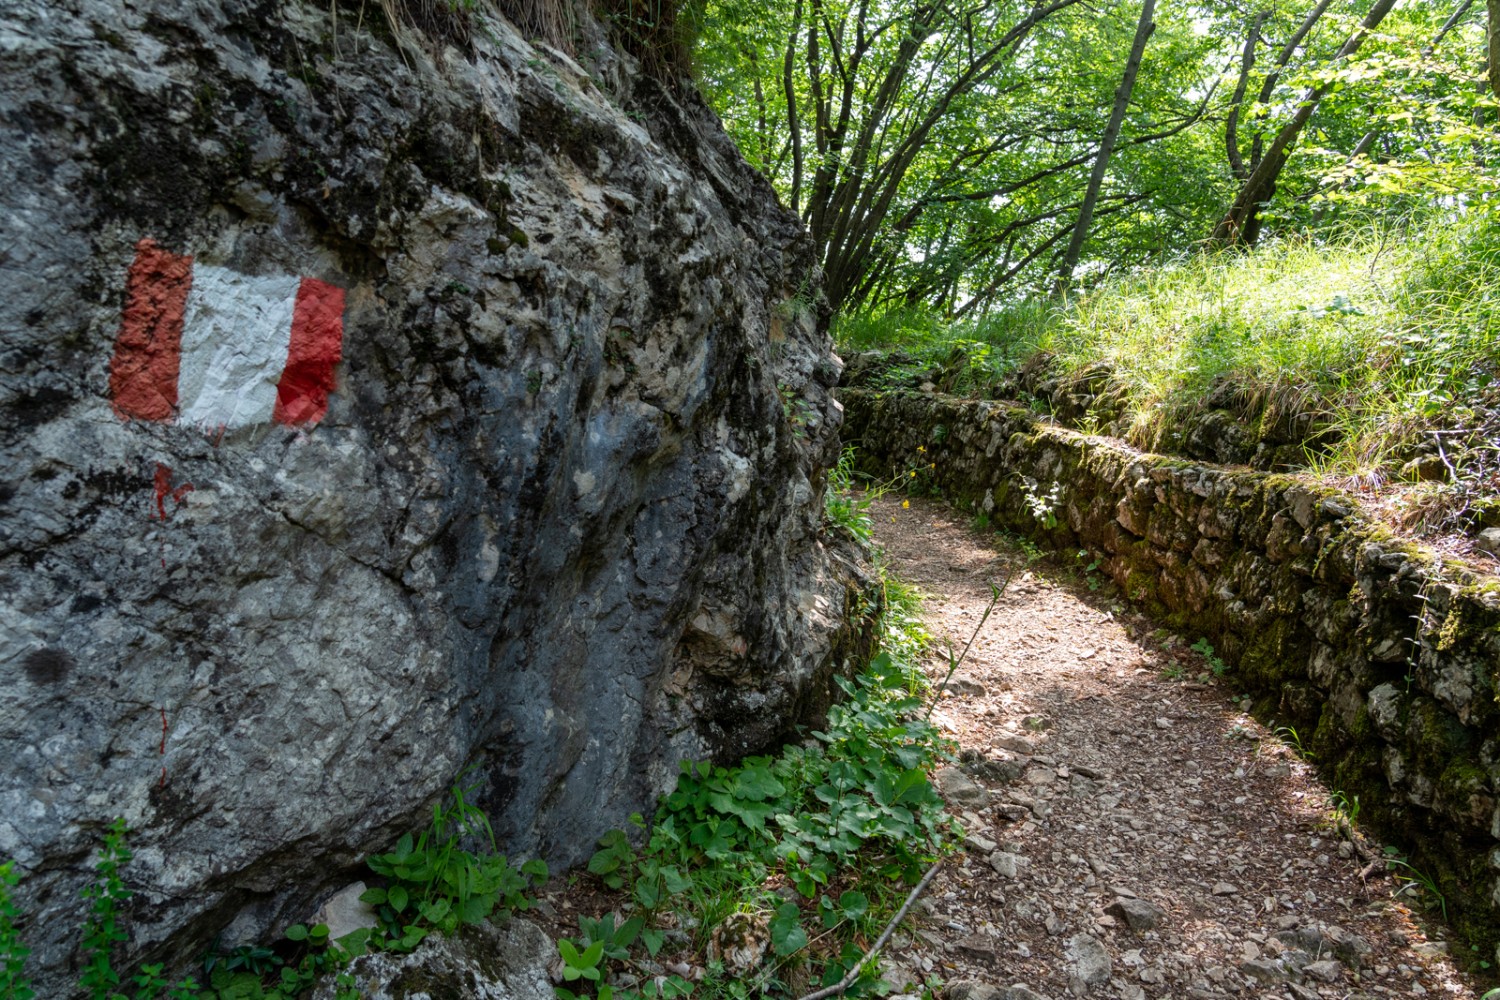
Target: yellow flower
<point>920,448</point>
<point>913,473</point>
<point>905,504</point>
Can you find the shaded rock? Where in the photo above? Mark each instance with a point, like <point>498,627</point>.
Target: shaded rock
<point>964,687</point>
<point>1088,962</point>
<point>969,989</point>
<point>1225,889</point>
<point>959,789</point>
<point>979,845</point>
<point>1319,938</point>
<point>1138,914</point>
<point>1007,864</point>
<point>1326,970</point>
<point>980,946</point>
<point>1266,970</point>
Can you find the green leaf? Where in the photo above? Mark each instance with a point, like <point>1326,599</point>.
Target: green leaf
<point>296,932</point>
<point>787,934</point>
<point>396,896</point>
<point>854,903</point>
<point>627,932</point>
<point>757,784</point>
<point>356,941</point>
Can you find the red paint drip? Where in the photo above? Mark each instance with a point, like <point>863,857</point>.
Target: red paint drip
<point>316,346</point>
<point>164,491</point>
<point>148,348</point>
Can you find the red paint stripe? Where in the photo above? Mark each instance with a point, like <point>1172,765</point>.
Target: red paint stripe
<point>316,347</point>
<point>148,348</point>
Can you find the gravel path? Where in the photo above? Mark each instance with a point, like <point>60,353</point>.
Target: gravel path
<point>1132,833</point>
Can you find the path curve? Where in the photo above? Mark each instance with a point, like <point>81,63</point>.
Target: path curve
<point>1133,833</point>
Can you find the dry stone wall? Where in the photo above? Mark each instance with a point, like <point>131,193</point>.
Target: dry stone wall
<point>380,400</point>
<point>1384,658</point>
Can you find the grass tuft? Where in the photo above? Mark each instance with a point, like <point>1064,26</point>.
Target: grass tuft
<point>1366,346</point>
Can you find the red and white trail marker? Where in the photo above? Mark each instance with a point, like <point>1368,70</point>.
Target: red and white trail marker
<point>215,348</point>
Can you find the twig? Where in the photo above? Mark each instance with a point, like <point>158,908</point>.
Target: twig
<point>953,664</point>
<point>853,973</point>
<point>1452,473</point>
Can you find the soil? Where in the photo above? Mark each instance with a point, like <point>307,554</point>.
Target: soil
<point>1132,832</point>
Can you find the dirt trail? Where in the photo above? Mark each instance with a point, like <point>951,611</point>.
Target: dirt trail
<point>1132,832</point>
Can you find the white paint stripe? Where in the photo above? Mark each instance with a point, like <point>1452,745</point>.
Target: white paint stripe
<point>235,334</point>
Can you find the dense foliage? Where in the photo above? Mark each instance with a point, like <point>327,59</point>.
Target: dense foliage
<point>939,151</point>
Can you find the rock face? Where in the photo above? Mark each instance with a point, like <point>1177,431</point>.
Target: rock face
<point>375,405</point>
<point>1380,655</point>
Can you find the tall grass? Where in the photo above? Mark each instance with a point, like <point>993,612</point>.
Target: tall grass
<point>1380,335</point>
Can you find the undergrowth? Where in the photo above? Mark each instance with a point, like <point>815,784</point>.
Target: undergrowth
<point>1378,339</point>
<point>430,883</point>
<point>775,874</point>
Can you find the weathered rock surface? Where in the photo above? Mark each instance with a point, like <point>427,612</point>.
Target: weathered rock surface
<point>485,962</point>
<point>1381,656</point>
<point>559,522</point>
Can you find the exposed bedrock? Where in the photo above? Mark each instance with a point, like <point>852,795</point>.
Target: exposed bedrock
<point>1384,658</point>
<point>375,406</point>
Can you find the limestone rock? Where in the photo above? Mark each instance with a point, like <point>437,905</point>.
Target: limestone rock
<point>960,790</point>
<point>1488,540</point>
<point>1138,914</point>
<point>1006,863</point>
<point>554,515</point>
<point>483,962</point>
<point>1089,963</point>
<point>344,912</point>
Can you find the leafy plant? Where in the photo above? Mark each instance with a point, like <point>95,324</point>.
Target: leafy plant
<point>1206,650</point>
<point>101,929</point>
<point>435,885</point>
<point>1345,810</point>
<point>855,800</point>
<point>840,504</point>
<point>586,960</point>
<point>797,411</point>
<point>13,982</point>
<point>1090,569</point>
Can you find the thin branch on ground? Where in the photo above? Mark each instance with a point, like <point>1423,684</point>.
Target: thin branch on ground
<point>853,973</point>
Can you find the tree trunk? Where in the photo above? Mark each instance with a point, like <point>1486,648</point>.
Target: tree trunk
<point>1492,33</point>
<point>1268,85</point>
<point>1143,29</point>
<point>1232,125</point>
<point>1242,224</point>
